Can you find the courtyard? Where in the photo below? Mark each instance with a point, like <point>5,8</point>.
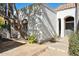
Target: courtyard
<point>38,30</point>
<point>59,48</point>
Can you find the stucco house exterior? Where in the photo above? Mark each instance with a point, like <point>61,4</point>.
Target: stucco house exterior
<point>46,22</point>
<point>66,19</point>
<point>41,21</point>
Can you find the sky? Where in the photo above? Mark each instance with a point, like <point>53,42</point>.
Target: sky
<point>22,5</point>
<point>54,5</point>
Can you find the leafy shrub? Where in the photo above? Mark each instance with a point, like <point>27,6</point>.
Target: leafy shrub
<point>1,26</point>
<point>2,22</point>
<point>32,39</point>
<point>74,44</point>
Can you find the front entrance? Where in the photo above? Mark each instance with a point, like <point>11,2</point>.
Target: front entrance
<point>59,27</point>
<point>69,25</point>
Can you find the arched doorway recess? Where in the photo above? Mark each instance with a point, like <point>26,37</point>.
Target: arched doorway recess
<point>69,25</point>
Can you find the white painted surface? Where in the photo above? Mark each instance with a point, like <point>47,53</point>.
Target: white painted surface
<point>62,14</point>
<point>52,18</point>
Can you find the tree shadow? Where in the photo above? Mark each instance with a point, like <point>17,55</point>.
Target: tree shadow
<point>8,44</point>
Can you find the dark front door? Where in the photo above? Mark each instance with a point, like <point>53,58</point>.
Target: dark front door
<point>59,26</point>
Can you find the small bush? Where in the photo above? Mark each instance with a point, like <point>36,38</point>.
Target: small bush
<point>2,22</point>
<point>74,45</point>
<point>32,39</point>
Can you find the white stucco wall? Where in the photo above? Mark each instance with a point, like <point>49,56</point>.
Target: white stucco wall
<point>62,14</point>
<point>52,18</point>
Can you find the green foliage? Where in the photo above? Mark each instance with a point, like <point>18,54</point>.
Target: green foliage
<point>32,39</point>
<point>2,22</point>
<point>2,26</point>
<point>74,44</point>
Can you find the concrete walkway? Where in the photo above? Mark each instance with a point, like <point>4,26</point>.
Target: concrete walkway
<point>25,50</point>
<point>59,48</point>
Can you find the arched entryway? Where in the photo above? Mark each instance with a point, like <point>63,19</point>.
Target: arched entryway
<point>69,25</point>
